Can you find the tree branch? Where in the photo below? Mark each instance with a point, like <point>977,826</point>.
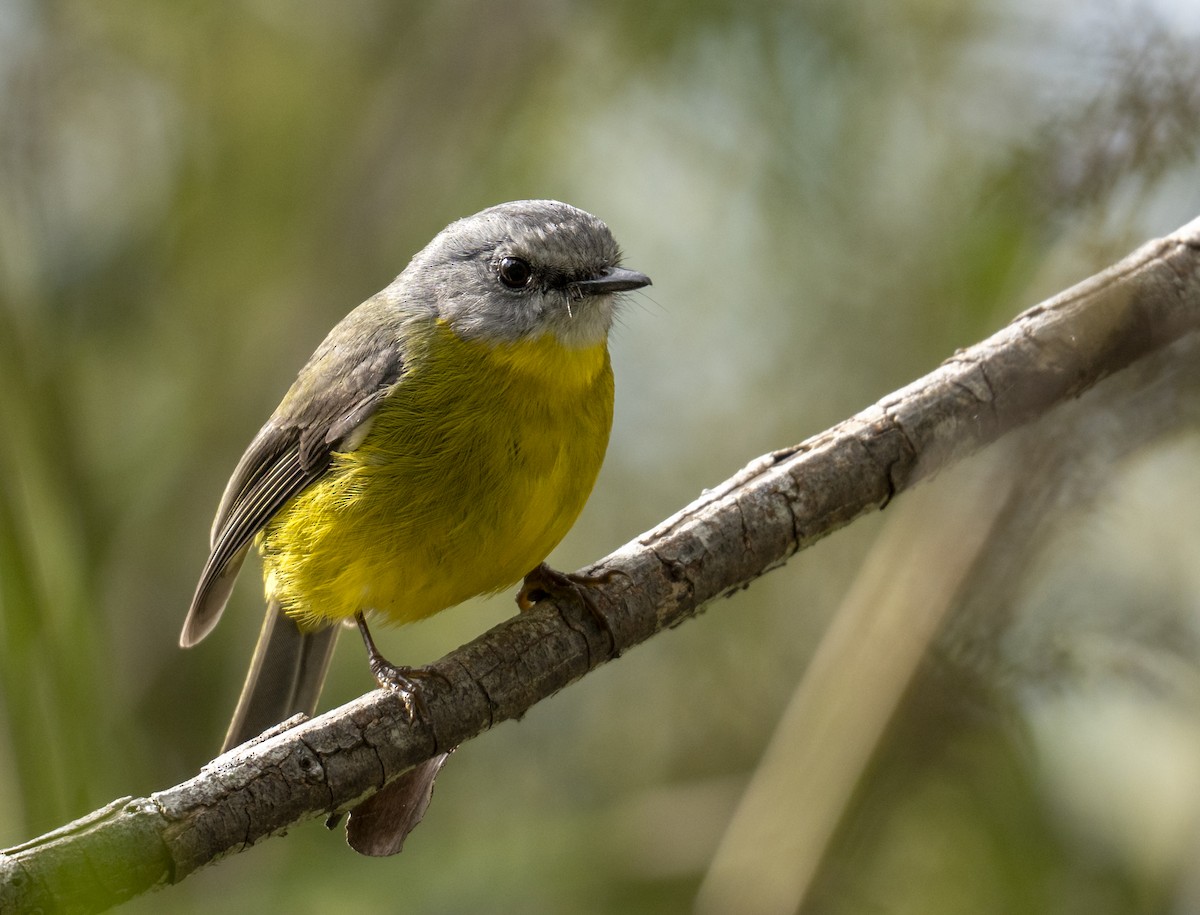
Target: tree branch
<point>777,505</point>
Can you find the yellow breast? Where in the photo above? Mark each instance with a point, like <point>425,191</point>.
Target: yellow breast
<point>473,468</point>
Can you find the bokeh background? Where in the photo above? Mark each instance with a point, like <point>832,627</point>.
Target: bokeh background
<point>831,197</point>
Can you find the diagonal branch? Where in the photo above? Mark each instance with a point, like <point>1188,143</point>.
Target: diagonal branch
<point>777,505</point>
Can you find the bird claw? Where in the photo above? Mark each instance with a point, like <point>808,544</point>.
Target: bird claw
<point>403,682</point>
<point>545,582</point>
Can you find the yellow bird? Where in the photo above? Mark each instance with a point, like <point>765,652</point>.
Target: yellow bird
<point>437,445</point>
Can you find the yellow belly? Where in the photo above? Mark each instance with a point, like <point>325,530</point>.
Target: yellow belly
<point>473,469</point>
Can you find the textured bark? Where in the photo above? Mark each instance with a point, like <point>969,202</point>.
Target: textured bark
<point>777,505</point>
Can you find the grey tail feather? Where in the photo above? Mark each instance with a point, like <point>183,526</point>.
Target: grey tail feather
<point>286,675</point>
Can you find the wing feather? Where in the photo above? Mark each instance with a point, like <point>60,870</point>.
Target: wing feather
<point>335,394</point>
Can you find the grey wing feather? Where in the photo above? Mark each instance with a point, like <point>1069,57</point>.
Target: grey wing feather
<point>289,453</point>
<point>270,487</point>
<point>263,452</point>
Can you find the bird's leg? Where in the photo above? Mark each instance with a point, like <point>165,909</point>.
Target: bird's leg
<point>379,825</point>
<point>545,582</point>
<point>400,680</point>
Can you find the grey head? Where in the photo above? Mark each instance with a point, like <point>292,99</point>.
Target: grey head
<point>519,271</point>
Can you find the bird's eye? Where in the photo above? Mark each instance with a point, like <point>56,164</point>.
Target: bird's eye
<point>515,272</point>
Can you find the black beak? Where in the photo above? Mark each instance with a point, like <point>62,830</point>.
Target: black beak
<point>614,279</point>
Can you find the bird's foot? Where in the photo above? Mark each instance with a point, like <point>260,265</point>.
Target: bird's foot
<point>403,681</point>
<point>544,582</point>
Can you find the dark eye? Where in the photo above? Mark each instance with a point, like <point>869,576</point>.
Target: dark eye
<point>515,272</point>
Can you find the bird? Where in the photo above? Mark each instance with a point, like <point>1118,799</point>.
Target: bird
<point>437,445</point>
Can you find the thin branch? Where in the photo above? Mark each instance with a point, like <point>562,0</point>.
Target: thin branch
<point>779,504</point>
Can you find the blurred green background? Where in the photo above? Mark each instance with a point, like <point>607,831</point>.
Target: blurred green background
<point>830,197</point>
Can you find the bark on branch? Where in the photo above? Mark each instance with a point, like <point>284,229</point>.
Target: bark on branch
<point>779,504</point>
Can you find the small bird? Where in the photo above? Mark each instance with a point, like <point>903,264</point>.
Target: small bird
<point>437,445</point>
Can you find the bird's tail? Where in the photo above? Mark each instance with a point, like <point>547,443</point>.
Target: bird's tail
<point>286,675</point>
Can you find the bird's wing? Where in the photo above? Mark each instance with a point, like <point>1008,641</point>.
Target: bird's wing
<point>333,396</point>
